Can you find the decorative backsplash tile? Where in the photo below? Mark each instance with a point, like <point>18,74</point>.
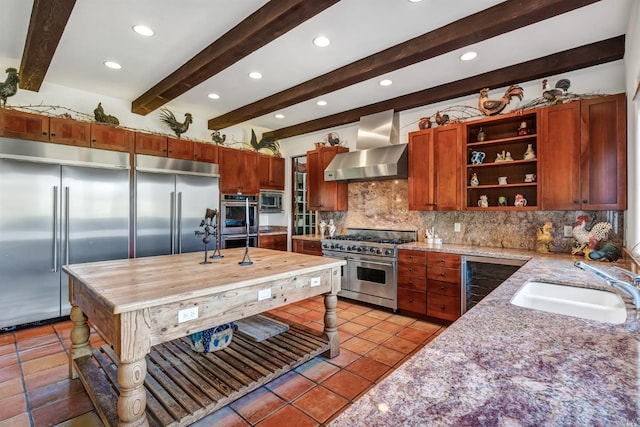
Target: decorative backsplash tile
<point>384,204</point>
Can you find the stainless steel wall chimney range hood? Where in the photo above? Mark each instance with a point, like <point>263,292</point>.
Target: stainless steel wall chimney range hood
<point>378,155</point>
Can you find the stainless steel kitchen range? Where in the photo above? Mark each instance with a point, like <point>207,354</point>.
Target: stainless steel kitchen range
<point>372,263</point>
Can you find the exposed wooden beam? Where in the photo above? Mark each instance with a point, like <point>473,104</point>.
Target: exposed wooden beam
<point>48,20</point>
<point>491,22</point>
<point>562,62</point>
<point>266,24</point>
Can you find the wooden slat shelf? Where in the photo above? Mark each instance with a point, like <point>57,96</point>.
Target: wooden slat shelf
<point>184,386</point>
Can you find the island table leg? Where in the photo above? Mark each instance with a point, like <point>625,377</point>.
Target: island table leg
<point>331,325</point>
<point>80,346</point>
<point>132,401</point>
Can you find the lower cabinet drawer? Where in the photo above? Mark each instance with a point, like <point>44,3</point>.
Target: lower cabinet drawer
<point>444,288</point>
<point>443,307</point>
<point>412,282</point>
<point>414,301</point>
<point>443,274</point>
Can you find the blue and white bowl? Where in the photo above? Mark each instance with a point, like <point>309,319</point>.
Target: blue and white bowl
<point>212,339</point>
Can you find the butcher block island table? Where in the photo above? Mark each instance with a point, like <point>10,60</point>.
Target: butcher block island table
<point>145,308</point>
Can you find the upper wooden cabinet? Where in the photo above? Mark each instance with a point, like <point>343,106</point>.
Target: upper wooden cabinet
<point>179,148</point>
<point>151,144</point>
<point>70,132</point>
<point>271,171</point>
<point>205,152</point>
<point>18,124</point>
<point>111,138</point>
<point>325,195</point>
<point>238,171</point>
<point>503,146</point>
<point>583,155</point>
<point>435,169</point>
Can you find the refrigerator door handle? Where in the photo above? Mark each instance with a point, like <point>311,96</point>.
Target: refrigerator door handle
<point>54,268</point>
<point>179,222</point>
<point>172,220</point>
<point>66,224</point>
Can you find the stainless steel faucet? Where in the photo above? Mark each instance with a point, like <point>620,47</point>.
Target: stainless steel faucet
<point>630,289</point>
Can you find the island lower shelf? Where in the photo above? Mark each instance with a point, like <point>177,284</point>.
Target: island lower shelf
<point>184,386</point>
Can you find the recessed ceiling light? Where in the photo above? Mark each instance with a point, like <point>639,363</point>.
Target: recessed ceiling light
<point>321,103</point>
<point>386,82</point>
<point>255,75</point>
<point>321,41</point>
<point>143,30</point>
<point>214,96</point>
<point>112,65</point>
<point>468,56</point>
<point>415,1</point>
<point>279,116</point>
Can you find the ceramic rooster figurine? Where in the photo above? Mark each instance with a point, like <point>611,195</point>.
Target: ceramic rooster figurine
<point>491,107</point>
<point>10,86</point>
<point>544,237</point>
<point>588,239</point>
<point>102,117</point>
<point>178,128</point>
<point>555,95</point>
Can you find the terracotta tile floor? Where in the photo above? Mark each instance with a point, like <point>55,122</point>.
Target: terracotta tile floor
<point>35,389</point>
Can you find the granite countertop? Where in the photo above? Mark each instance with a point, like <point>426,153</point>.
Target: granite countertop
<point>272,229</point>
<point>307,237</point>
<point>504,365</point>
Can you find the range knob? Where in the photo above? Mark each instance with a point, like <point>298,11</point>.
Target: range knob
<point>342,247</point>
<point>379,251</point>
<point>388,252</point>
<point>359,249</point>
<point>348,248</point>
<point>373,250</point>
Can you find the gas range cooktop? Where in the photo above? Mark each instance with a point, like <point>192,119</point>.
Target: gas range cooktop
<point>368,241</point>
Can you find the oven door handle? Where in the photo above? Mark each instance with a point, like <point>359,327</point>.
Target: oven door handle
<point>366,262</point>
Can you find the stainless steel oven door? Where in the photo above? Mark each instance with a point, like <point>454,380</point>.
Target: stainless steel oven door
<point>374,278</point>
<point>344,276</point>
<point>233,217</point>
<point>237,241</point>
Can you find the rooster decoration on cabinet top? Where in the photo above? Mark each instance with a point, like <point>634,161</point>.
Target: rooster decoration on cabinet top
<point>10,86</point>
<point>170,120</point>
<point>555,95</point>
<point>491,107</point>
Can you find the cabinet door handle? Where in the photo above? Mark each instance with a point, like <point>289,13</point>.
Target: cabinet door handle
<point>442,260</point>
<point>576,202</point>
<point>442,307</point>
<point>585,201</point>
<point>53,134</point>
<point>442,288</point>
<point>410,269</point>
<point>410,299</point>
<point>441,274</point>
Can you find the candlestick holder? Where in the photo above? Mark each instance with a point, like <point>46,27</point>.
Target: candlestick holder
<point>209,229</point>
<point>246,259</point>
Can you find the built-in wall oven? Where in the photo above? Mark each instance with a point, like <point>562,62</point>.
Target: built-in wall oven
<point>238,217</point>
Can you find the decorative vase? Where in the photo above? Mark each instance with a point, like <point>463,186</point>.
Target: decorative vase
<point>332,228</point>
<point>323,227</point>
<point>474,180</point>
<point>424,123</point>
<point>529,154</point>
<point>481,135</point>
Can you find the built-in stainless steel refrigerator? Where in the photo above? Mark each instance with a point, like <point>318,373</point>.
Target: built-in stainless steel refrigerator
<point>171,200</point>
<point>58,205</point>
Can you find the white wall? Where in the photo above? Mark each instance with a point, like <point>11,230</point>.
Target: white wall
<point>632,68</point>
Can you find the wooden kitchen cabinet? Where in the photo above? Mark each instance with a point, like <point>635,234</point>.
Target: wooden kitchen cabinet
<point>69,132</point>
<point>412,281</point>
<point>271,170</point>
<point>19,124</point>
<point>179,149</point>
<point>583,161</point>
<point>238,171</point>
<point>277,242</point>
<point>151,144</point>
<point>325,195</point>
<point>111,138</point>
<point>443,286</point>
<point>501,137</point>
<point>205,152</point>
<point>307,246</point>
<point>435,169</point>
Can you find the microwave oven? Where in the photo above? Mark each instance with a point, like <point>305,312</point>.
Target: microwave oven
<point>271,201</point>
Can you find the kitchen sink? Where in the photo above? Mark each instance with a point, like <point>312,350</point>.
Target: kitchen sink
<point>593,304</point>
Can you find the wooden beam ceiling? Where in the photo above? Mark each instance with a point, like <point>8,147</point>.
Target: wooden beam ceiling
<point>562,62</point>
<point>491,22</point>
<point>48,20</point>
<point>263,26</point>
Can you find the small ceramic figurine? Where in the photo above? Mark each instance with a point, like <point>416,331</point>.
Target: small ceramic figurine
<point>529,177</point>
<point>477,157</point>
<point>507,157</point>
<point>520,201</point>
<point>484,201</point>
<point>481,134</point>
<point>544,237</point>
<point>474,180</point>
<point>332,228</point>
<point>529,154</point>
<point>522,130</point>
<point>323,227</point>
<point>502,201</point>
<point>502,180</point>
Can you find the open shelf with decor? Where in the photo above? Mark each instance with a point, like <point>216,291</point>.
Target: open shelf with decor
<point>501,162</point>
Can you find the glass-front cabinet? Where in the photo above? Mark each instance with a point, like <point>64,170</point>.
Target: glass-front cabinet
<point>303,219</point>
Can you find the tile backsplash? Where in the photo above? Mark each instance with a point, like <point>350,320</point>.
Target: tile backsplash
<point>384,204</point>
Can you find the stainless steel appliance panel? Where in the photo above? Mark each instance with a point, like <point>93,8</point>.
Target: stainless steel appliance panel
<point>155,210</point>
<point>230,241</point>
<point>233,214</point>
<point>169,208</point>
<point>194,195</point>
<point>29,242</point>
<point>372,278</point>
<point>94,220</point>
